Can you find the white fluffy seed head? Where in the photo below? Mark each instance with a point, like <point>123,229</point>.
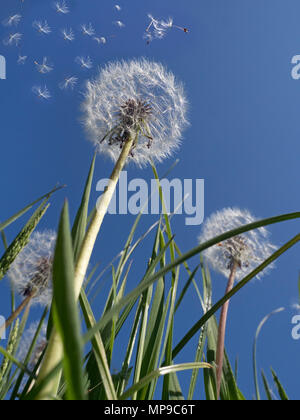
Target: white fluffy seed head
<point>247,250</point>
<point>26,343</point>
<point>31,272</point>
<point>137,98</point>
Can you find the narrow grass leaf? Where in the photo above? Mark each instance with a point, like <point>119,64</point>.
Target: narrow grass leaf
<point>267,386</point>
<point>65,313</point>
<point>281,391</point>
<point>80,223</point>
<point>160,372</point>
<point>20,213</point>
<point>260,326</point>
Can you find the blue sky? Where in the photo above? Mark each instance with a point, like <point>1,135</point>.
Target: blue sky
<point>243,139</point>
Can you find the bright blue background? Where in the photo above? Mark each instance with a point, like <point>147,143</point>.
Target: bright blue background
<point>243,139</point>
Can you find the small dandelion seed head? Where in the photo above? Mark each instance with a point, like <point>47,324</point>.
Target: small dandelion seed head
<point>247,250</point>
<point>137,98</point>
<point>26,343</point>
<point>31,272</point>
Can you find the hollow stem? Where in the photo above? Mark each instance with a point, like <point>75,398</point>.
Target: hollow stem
<point>16,313</point>
<point>222,330</point>
<point>54,352</point>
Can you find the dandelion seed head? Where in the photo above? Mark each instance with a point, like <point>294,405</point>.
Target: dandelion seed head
<point>31,272</point>
<point>247,250</point>
<point>26,343</point>
<point>136,98</point>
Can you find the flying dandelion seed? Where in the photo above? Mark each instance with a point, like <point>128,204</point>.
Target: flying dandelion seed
<point>68,34</point>
<point>31,272</point>
<point>84,62</point>
<point>41,92</point>
<point>61,7</point>
<point>138,99</point>
<point>154,30</point>
<point>119,24</point>
<point>88,29</point>
<point>12,20</point>
<point>157,29</point>
<point>22,59</point>
<point>68,83</point>
<point>13,39</point>
<point>248,250</point>
<point>100,40</point>
<point>44,67</point>
<point>42,27</point>
<point>118,7</point>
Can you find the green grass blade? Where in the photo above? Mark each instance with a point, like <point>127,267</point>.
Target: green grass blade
<point>235,290</point>
<point>146,300</point>
<point>186,287</point>
<point>28,356</point>
<point>267,387</point>
<point>80,223</point>
<point>99,350</point>
<point>27,208</point>
<point>14,360</point>
<point>151,279</point>
<point>22,239</point>
<point>260,326</point>
<point>175,391</point>
<point>161,372</point>
<point>65,313</point>
<point>281,391</point>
